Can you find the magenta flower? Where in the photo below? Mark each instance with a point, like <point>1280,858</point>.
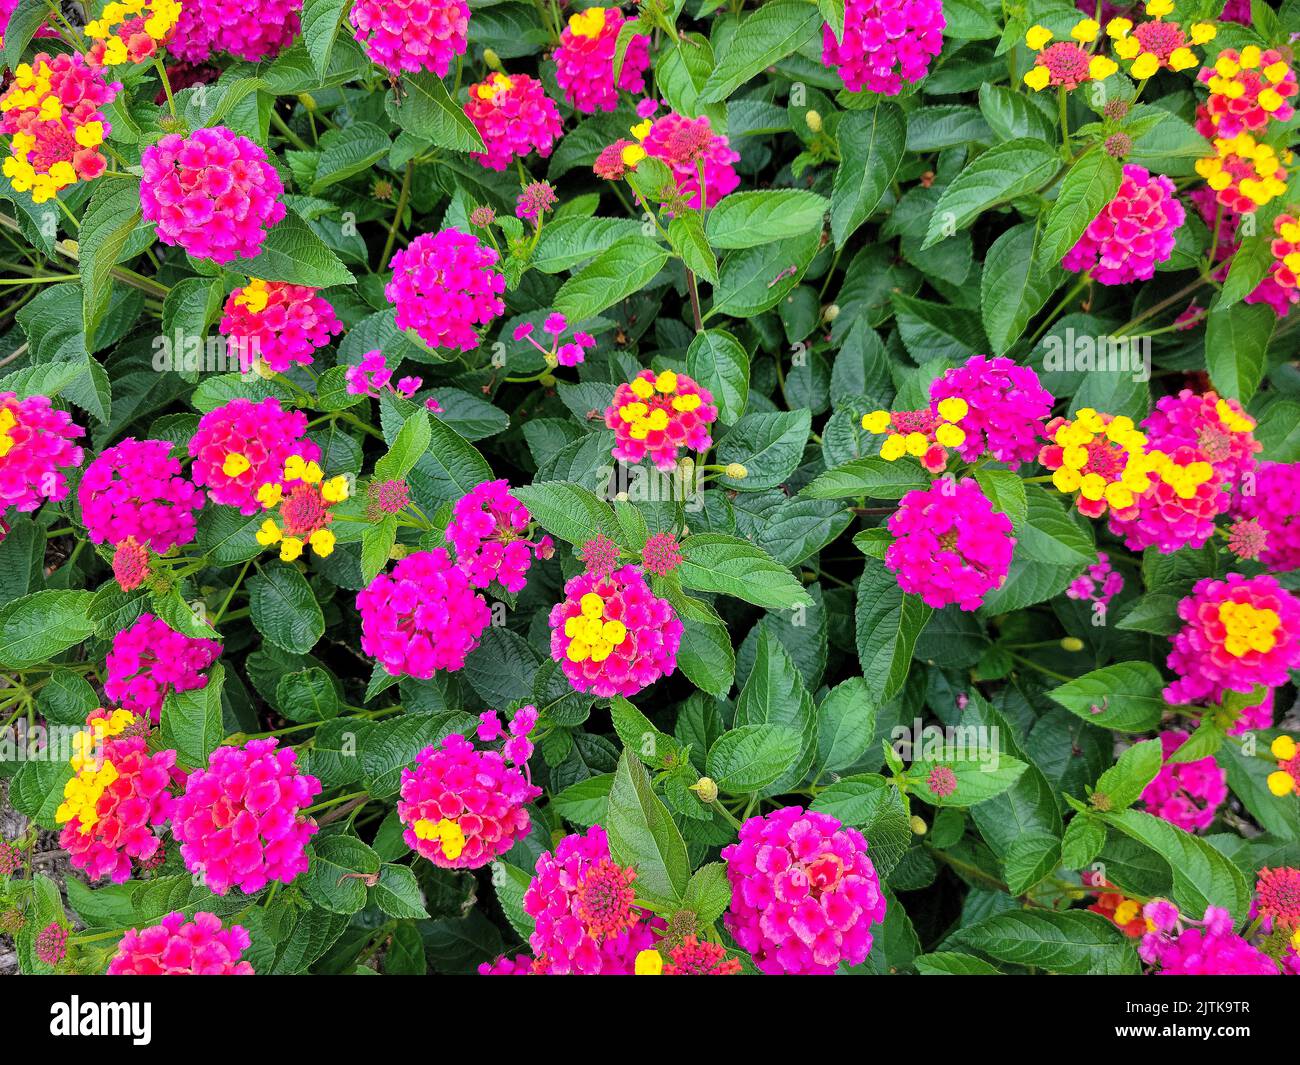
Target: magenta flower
<point>243,445</point>
<point>1208,950</point>
<point>612,635</point>
<point>570,354</point>
<point>443,286</point>
<point>950,545</point>
<point>1099,583</point>
<point>212,193</point>
<point>1179,507</point>
<point>1005,408</point>
<point>177,947</point>
<point>886,42</point>
<point>488,529</point>
<point>1275,506</point>
<point>401,35</point>
<point>1186,794</point>
<point>658,415</point>
<point>51,944</point>
<point>662,554</point>
<point>35,445</point>
<point>804,893</point>
<point>281,324</point>
<point>137,490</point>
<point>207,27</point>
<point>1132,234</point>
<point>1218,428</point>
<point>514,116</point>
<point>688,145</point>
<point>240,822</point>
<point>463,807</point>
<point>423,617</point>
<point>148,659</point>
<point>585,60</point>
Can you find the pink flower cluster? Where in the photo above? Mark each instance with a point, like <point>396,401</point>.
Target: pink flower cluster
<point>279,323</point>
<point>1099,583</point>
<point>688,145</point>
<point>148,659</point>
<point>514,116</point>
<point>804,893</point>
<point>1275,506</point>
<point>585,60</point>
<point>1177,509</point>
<point>1237,633</point>
<point>1212,949</point>
<point>463,807</point>
<point>518,748</point>
<point>177,947</point>
<point>1132,234</point>
<point>372,376</point>
<point>886,42</point>
<point>422,617</point>
<point>240,822</point>
<point>1280,288</point>
<point>612,635</point>
<point>570,354</point>
<point>35,445</point>
<point>242,445</point>
<point>1186,794</point>
<point>443,286</point>
<point>1245,98</point>
<point>1006,408</point>
<point>212,193</point>
<point>487,529</point>
<point>658,415</point>
<point>950,545</point>
<point>136,489</point>
<point>582,907</point>
<point>1218,428</point>
<point>401,35</point>
<point>206,27</point>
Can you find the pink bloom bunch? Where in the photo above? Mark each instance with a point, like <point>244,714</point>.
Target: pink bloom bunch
<point>1237,633</point>
<point>279,323</point>
<point>53,113</point>
<point>401,35</point>
<point>463,807</point>
<point>1210,950</point>
<point>422,617</point>
<point>537,199</point>
<point>514,116</point>
<point>240,822</point>
<point>136,489</point>
<point>131,564</point>
<point>443,286</point>
<point>243,445</point>
<point>1186,794</point>
<point>177,947</point>
<point>886,42</point>
<point>1132,234</point>
<point>1255,718</point>
<point>51,944</point>
<point>1277,896</point>
<point>518,748</point>
<point>206,27</point>
<point>804,893</point>
<point>687,145</point>
<point>662,554</point>
<point>600,555</point>
<point>585,60</point>
<point>692,958</point>
<point>658,415</point>
<point>1099,583</point>
<point>519,965</point>
<point>1275,507</point>
<point>570,354</point>
<point>614,160</point>
<point>148,659</point>
<point>612,635</point>
<point>1005,408</point>
<point>116,797</point>
<point>1218,428</point>
<point>1248,89</point>
<point>582,906</point>
<point>1177,509</point>
<point>1237,11</point>
<point>11,858</point>
<point>950,545</point>
<point>487,529</point>
<point>35,444</point>
<point>372,377</point>
<point>1280,288</point>
<point>212,193</point>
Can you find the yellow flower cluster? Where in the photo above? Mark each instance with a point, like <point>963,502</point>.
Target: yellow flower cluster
<point>589,23</point>
<point>1224,81</point>
<point>7,422</point>
<point>1125,454</point>
<point>1249,628</point>
<point>92,773</point>
<point>32,91</point>
<point>634,153</point>
<point>1136,46</point>
<point>305,512</point>
<point>1282,782</point>
<point>642,416</point>
<point>254,295</point>
<point>1084,32</point>
<point>497,83</point>
<point>591,637</point>
<point>1270,170</point>
<point>912,440</point>
<point>446,831</point>
<point>1233,420</point>
<point>1183,479</point>
<point>160,17</point>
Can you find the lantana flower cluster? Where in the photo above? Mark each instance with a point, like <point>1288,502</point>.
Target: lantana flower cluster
<point>1006,406</point>
<point>1248,89</point>
<point>692,151</point>
<point>514,116</point>
<point>137,489</point>
<point>1157,43</point>
<point>1176,945</point>
<point>303,500</point>
<point>208,27</point>
<point>1186,794</point>
<point>487,529</point>
<point>1067,64</point>
<point>35,448</point>
<point>885,43</point>
<point>1133,234</point>
<point>444,286</point>
<point>177,946</point>
<point>411,35</point>
<point>572,353</point>
<point>149,659</point>
<point>278,323</point>
<point>1245,173</point>
<point>131,31</point>
<point>1280,288</point>
<point>659,415</point>
<point>1274,508</point>
<point>1100,456</point>
<point>584,61</point>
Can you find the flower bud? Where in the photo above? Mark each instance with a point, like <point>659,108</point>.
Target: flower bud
<point>398,552</point>
<point>547,380</point>
<point>1071,643</point>
<point>491,59</point>
<point>919,827</point>
<point>814,120</point>
<point>706,788</point>
<point>736,471</point>
<point>831,312</point>
<point>307,101</point>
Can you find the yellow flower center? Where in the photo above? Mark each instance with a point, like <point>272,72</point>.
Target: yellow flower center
<point>1248,628</point>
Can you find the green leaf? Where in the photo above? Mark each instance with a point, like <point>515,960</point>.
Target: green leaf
<point>749,758</point>
<point>708,894</point>
<point>284,608</point>
<point>569,511</point>
<point>747,219</point>
<point>873,477</point>
<point>769,446</point>
<point>1030,859</point>
<point>429,112</point>
<point>566,242</point>
<point>767,35</point>
<point>336,877</point>
<point>686,234</point>
<point>616,273</point>
<point>642,834</point>
<point>1088,187</point>
<point>1050,534</point>
<point>1000,174</point>
<point>1125,696</point>
<point>1013,287</point>
<point>717,563</point>
<point>953,963</point>
<point>1072,942</point>
<point>1084,838</point>
<point>349,151</point>
<point>774,694</point>
<point>408,446</point>
<point>191,721</point>
<point>39,626</point>
<point>111,217</point>
<point>1123,783</point>
<point>294,253</point>
<point>887,625</point>
<point>846,725</point>
<point>716,360</point>
<point>980,775</point>
<point>1006,491</point>
<point>321,20</point>
<point>871,149</point>
<point>1236,347</point>
<point>706,656</point>
<point>398,893</point>
<point>585,802</point>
